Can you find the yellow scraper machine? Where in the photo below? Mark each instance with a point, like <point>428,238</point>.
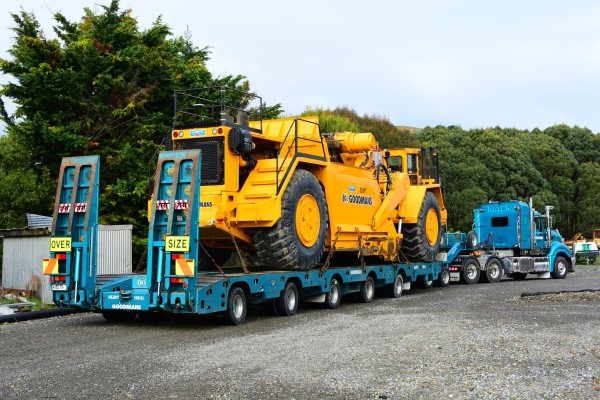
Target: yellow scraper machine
<point>301,215</point>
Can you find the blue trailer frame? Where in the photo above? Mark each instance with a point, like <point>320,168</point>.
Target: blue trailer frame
<point>173,284</point>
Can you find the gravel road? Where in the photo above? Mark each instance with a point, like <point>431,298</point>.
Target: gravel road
<point>461,342</point>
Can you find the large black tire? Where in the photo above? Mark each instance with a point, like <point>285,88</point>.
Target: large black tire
<point>493,271</point>
<point>286,304</point>
<point>297,240</point>
<point>443,278</point>
<point>237,308</point>
<point>422,241</point>
<point>561,268</point>
<point>220,256</point>
<point>471,240</point>
<point>333,297</point>
<point>471,271</point>
<point>394,290</point>
<point>367,291</point>
<point>426,283</point>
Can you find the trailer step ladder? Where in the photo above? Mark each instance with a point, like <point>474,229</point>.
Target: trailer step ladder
<point>73,257</point>
<point>173,233</point>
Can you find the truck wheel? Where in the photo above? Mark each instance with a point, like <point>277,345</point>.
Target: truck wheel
<point>236,306</point>
<point>118,316</point>
<point>560,268</point>
<point>394,290</point>
<point>493,271</point>
<point>367,291</point>
<point>421,241</point>
<point>333,297</point>
<point>219,255</point>
<point>443,278</point>
<point>471,271</point>
<point>287,303</point>
<point>297,240</point>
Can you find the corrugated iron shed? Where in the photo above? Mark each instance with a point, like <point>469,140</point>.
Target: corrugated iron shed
<point>38,221</point>
<point>24,250</point>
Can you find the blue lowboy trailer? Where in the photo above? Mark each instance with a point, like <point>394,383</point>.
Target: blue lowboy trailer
<point>173,282</point>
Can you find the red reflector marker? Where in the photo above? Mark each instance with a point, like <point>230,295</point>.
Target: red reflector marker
<point>61,256</point>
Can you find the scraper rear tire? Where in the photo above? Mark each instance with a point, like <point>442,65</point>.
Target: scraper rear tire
<point>297,240</point>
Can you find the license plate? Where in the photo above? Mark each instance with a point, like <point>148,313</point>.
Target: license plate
<point>62,287</point>
<point>177,244</point>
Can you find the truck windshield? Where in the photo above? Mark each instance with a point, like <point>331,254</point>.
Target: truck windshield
<point>540,226</point>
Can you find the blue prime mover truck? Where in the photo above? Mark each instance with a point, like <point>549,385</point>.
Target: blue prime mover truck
<point>509,238</point>
<point>173,283</point>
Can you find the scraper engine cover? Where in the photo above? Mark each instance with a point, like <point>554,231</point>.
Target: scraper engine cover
<point>240,140</point>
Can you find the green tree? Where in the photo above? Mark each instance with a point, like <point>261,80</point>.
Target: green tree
<point>587,198</point>
<point>103,86</point>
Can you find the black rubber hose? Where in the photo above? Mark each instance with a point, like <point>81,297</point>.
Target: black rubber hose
<point>27,315</point>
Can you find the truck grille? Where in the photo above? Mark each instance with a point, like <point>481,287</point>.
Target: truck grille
<point>212,168</point>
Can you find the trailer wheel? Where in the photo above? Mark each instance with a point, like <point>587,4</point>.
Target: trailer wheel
<point>286,304</point>
<point>236,306</point>
<point>297,240</point>
<point>470,271</point>
<point>493,271</point>
<point>444,278</point>
<point>118,316</point>
<point>421,241</point>
<point>367,291</point>
<point>560,268</point>
<point>394,290</point>
<point>426,283</point>
<point>333,297</point>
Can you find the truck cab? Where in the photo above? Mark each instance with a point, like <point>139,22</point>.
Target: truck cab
<point>510,238</point>
<point>515,225</point>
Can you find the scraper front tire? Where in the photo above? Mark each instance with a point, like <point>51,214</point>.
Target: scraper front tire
<point>297,240</point>
<point>421,241</point>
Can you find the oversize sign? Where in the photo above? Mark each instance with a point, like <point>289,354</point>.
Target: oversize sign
<point>177,244</point>
<point>60,244</point>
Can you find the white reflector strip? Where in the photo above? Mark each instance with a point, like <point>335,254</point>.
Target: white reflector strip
<point>80,207</point>
<point>181,204</point>
<point>162,204</point>
<point>64,208</point>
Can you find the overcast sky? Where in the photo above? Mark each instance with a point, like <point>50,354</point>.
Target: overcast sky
<point>521,64</point>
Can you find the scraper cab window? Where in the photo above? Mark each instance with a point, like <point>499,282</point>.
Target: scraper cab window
<point>395,163</point>
<point>412,163</point>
